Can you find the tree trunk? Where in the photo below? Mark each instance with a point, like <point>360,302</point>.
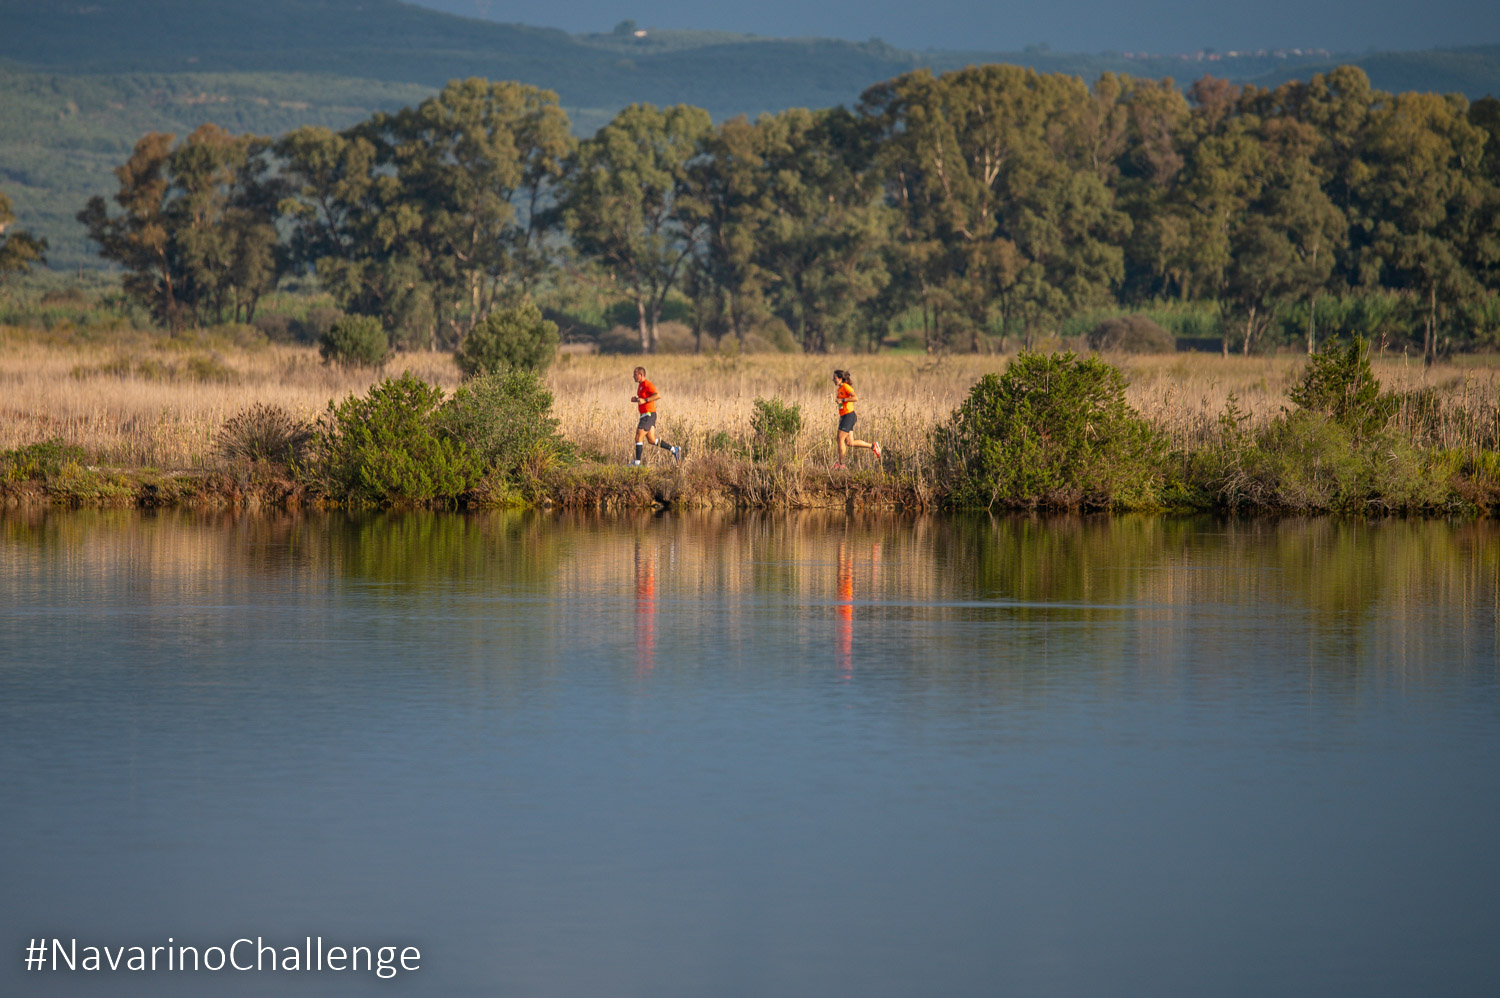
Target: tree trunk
<point>1312,336</point>
<point>643,325</point>
<point>1429,351</point>
<point>1249,330</point>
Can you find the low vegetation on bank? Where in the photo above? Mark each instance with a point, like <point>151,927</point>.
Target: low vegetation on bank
<point>1343,431</point>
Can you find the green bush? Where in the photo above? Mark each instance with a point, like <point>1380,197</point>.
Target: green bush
<point>356,341</point>
<point>386,447</point>
<point>1339,384</point>
<point>1053,430</point>
<point>40,460</point>
<point>506,420</point>
<point>774,425</point>
<point>1131,334</point>
<point>1306,461</point>
<point>509,337</point>
<point>264,432</point>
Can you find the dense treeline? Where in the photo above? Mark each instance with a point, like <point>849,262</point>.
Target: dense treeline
<point>993,202</point>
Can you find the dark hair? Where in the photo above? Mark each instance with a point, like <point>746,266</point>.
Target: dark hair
<point>844,376</point>
<point>639,370</point>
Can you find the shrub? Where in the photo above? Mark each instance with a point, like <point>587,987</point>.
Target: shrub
<point>1131,334</point>
<point>506,420</point>
<point>276,327</point>
<point>43,459</point>
<point>314,326</point>
<point>264,432</point>
<point>509,337</point>
<point>1339,384</point>
<point>209,368</point>
<point>1309,462</point>
<point>356,341</point>
<point>386,447</point>
<point>1053,430</point>
<point>774,424</point>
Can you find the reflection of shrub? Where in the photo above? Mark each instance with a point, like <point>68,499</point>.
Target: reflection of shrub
<point>774,424</point>
<point>1131,334</point>
<point>264,432</point>
<point>386,447</point>
<point>506,420</point>
<point>1053,430</point>
<point>43,459</point>
<point>1339,384</point>
<point>509,337</point>
<point>356,341</point>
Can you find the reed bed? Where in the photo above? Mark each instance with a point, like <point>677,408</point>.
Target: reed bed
<point>141,400</point>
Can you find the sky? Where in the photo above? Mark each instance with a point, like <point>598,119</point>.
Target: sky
<point>1158,26</point>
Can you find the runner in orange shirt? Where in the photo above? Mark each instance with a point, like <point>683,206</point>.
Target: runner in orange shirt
<point>847,418</point>
<point>645,428</point>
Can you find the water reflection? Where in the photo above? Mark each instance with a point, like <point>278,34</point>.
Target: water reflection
<point>1337,596</point>
<point>577,754</point>
<point>846,611</point>
<point>645,610</point>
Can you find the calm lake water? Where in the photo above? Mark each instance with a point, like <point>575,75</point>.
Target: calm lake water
<point>794,755</point>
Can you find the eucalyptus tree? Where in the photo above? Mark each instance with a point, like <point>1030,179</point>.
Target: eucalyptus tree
<point>1423,191</point>
<point>196,236</point>
<point>1003,207</point>
<point>825,228</point>
<point>626,200</point>
<point>1283,245</point>
<point>19,249</point>
<point>431,216</point>
<point>728,185</point>
<point>1149,168</point>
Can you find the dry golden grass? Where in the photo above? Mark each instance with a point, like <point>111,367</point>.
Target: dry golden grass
<point>133,419</point>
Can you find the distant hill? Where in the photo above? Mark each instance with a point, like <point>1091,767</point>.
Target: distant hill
<point>81,80</point>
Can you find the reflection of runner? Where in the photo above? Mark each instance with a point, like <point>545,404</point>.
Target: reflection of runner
<point>846,612</point>
<point>645,428</point>
<point>645,612</point>
<point>847,417</point>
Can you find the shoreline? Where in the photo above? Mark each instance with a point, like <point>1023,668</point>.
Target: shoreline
<point>738,486</point>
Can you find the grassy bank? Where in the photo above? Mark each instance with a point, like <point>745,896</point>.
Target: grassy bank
<point>141,419</point>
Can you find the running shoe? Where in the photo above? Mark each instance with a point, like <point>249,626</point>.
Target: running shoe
<point>877,450</point>
<point>635,464</point>
<point>677,453</point>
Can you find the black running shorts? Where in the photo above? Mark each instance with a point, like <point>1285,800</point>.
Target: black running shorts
<point>847,421</point>
<point>648,421</point>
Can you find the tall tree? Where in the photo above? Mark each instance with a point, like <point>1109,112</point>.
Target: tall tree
<point>626,202</point>
<point>197,236</point>
<point>825,228</point>
<point>1283,245</point>
<point>1003,207</point>
<point>1422,189</point>
<point>432,216</point>
<point>19,249</point>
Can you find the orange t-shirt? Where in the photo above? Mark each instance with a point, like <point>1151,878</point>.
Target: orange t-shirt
<point>846,399</point>
<point>645,390</point>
